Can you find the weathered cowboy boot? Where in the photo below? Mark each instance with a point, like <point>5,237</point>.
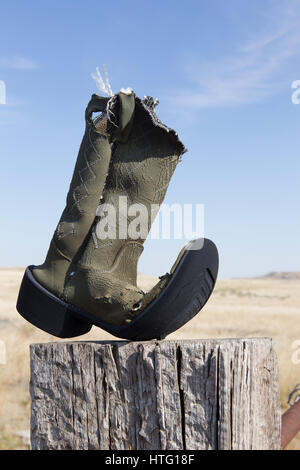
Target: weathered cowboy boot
<point>100,284</point>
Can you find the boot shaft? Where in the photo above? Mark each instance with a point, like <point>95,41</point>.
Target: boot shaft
<point>87,183</point>
<point>82,200</point>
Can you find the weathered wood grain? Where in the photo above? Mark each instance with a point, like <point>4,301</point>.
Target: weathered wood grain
<point>191,394</point>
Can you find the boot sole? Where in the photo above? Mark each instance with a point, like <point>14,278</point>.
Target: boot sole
<point>186,293</point>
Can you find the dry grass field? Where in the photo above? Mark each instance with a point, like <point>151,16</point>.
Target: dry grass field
<point>238,308</point>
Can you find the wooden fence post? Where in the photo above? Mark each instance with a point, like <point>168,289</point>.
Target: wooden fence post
<point>178,394</point>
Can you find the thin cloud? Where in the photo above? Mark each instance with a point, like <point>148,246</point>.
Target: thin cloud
<point>253,73</point>
<point>18,63</point>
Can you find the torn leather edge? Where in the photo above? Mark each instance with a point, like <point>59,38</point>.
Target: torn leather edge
<point>149,108</point>
<point>148,104</point>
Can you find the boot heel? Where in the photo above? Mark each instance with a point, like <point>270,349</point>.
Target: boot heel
<point>46,311</point>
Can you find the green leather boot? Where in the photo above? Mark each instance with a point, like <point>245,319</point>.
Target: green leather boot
<point>82,200</point>
<point>99,285</point>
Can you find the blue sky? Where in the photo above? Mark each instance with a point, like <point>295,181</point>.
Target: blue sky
<point>222,72</point>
